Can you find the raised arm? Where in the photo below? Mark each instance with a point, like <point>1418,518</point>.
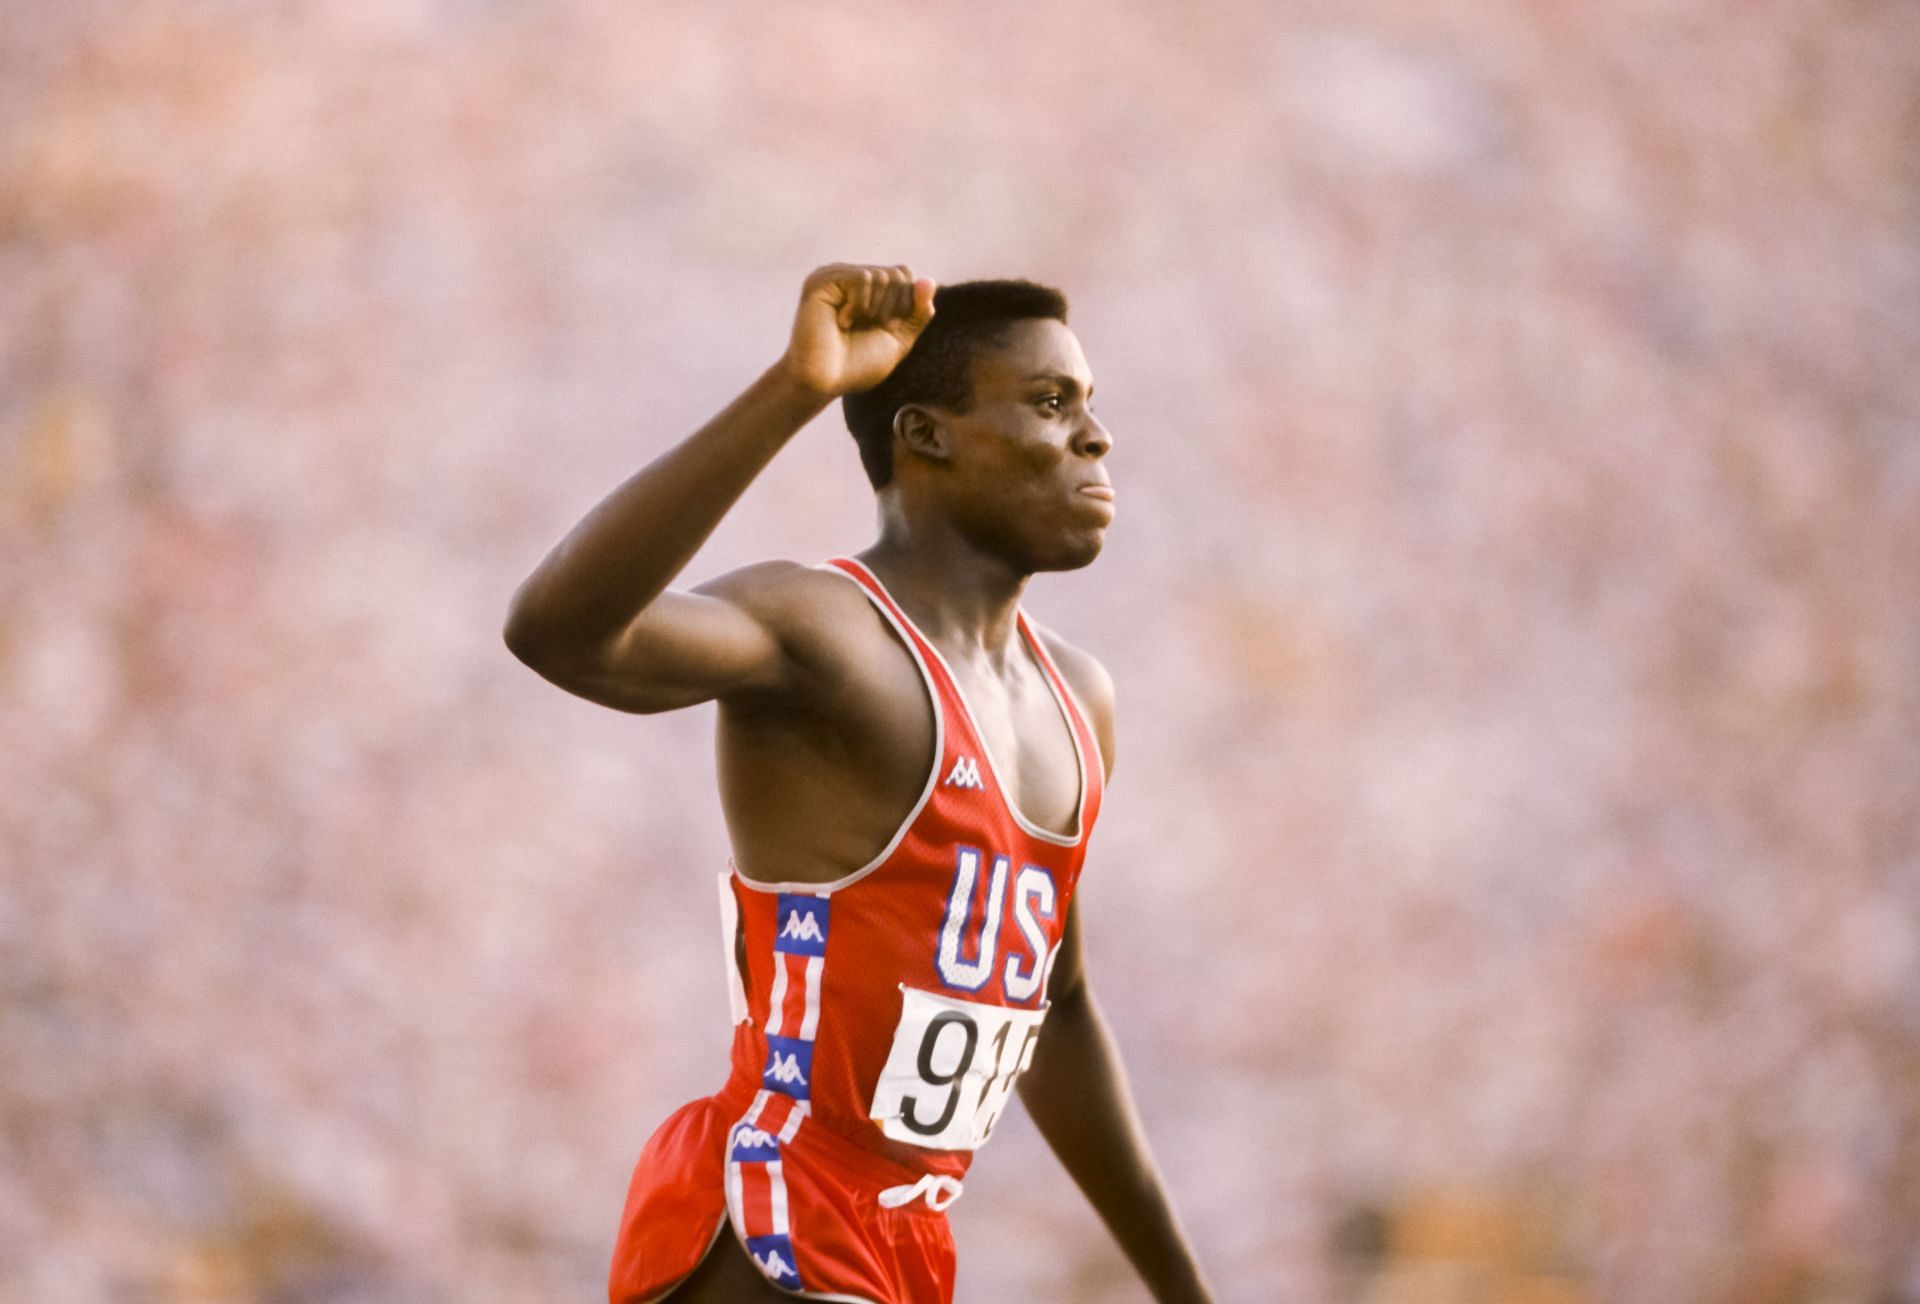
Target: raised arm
<point>596,618</point>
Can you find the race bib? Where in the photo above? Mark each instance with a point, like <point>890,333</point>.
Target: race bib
<point>951,1069</point>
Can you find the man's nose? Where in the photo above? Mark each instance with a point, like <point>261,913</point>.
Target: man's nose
<point>1092,439</point>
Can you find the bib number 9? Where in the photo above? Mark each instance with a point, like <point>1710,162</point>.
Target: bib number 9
<point>951,1069</point>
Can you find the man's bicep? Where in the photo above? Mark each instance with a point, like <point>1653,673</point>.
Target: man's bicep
<point>687,648</point>
<point>718,640</point>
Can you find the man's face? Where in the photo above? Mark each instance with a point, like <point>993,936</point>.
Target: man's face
<point>1027,474</point>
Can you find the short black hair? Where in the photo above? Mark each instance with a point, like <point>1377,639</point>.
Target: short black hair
<point>968,316</point>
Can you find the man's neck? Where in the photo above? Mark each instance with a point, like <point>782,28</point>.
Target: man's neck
<point>960,597</point>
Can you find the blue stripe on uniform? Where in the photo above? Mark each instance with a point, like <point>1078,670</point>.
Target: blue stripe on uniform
<point>789,1067</point>
<point>753,1145</point>
<point>774,1254</point>
<point>800,924</point>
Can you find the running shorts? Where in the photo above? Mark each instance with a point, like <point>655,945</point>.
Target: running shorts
<point>822,1217</point>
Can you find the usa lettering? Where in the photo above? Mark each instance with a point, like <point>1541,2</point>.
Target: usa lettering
<point>971,933</point>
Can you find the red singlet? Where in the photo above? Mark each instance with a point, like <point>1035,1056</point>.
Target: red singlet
<point>881,1024</point>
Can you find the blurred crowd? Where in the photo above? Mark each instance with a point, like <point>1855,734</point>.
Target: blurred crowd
<point>1509,891</point>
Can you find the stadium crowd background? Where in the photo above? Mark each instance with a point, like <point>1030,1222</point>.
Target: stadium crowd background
<point>1511,885</point>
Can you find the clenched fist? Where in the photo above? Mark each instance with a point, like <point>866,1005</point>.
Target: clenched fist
<point>855,324</point>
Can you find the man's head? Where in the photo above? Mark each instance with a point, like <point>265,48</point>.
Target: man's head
<point>988,421</point>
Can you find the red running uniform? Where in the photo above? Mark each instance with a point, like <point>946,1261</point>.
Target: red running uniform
<point>878,1032</point>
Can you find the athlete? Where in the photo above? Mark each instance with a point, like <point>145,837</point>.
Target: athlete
<point>909,768</point>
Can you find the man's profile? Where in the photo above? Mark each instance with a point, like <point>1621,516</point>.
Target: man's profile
<point>909,768</point>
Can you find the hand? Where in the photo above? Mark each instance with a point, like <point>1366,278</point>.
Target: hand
<point>854,325</point>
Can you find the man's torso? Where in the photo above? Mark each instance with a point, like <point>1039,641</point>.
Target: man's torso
<point>814,785</point>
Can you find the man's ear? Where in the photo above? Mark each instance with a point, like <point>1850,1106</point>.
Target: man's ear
<point>922,430</point>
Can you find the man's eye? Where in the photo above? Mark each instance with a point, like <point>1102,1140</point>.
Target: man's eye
<point>1051,402</point>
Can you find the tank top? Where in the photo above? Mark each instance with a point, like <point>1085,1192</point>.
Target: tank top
<point>894,1007</point>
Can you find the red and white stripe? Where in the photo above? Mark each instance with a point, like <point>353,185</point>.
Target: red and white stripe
<point>794,1000</point>
<point>757,1192</point>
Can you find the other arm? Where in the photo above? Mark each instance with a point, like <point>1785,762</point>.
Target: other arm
<point>595,616</point>
<point>1076,1092</point>
<point>1077,1095</point>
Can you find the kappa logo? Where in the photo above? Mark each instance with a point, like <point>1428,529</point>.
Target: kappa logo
<point>803,927</point>
<point>752,1138</point>
<point>786,1069</point>
<point>775,1266</point>
<point>966,774</point>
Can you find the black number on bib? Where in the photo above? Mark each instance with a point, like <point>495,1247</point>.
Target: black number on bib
<point>928,1043</point>
<point>999,1049</point>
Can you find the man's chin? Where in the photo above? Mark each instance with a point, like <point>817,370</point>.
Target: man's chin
<point>1073,554</point>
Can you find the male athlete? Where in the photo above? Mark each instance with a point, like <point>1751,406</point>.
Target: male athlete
<point>909,768</point>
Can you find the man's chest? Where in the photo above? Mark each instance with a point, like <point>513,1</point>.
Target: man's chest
<point>1006,732</point>
<point>819,788</point>
<point>1026,739</point>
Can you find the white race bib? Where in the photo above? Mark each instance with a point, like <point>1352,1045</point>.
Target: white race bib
<point>951,1069</point>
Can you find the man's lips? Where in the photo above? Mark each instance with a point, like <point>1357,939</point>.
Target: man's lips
<point>1098,491</point>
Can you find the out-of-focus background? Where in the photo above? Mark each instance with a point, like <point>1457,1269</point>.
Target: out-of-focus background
<point>1510,888</point>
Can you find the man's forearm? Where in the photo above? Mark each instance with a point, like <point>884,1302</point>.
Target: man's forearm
<point>1076,1093</point>
<point>626,551</point>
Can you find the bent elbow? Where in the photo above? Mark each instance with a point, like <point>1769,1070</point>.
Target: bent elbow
<point>529,638</point>
<point>519,635</point>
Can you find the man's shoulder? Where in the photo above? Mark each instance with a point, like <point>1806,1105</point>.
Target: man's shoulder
<point>1091,684</point>
<point>1081,668</point>
<point>785,589</point>
<point>819,614</point>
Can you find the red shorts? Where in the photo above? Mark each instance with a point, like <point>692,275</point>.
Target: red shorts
<point>804,1202</point>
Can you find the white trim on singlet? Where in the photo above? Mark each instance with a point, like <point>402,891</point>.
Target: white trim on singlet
<point>1006,796</point>
<point>933,775</point>
<point>1059,677</point>
<point>1057,684</point>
